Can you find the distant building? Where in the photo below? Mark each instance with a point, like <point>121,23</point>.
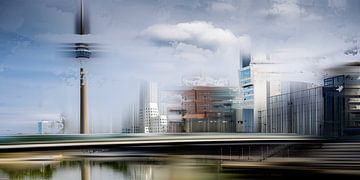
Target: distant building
<point>41,125</point>
<point>171,106</point>
<point>163,128</point>
<point>130,122</point>
<point>149,116</point>
<point>208,109</point>
<point>51,126</point>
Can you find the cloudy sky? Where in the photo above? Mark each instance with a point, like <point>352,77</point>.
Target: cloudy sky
<point>157,40</point>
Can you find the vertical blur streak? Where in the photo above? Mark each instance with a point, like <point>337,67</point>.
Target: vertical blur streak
<point>84,119</point>
<point>85,170</point>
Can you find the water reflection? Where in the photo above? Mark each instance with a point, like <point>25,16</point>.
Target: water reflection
<point>85,170</point>
<point>147,168</point>
<point>156,167</point>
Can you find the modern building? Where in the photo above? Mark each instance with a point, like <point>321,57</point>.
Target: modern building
<point>163,128</point>
<point>299,111</point>
<point>209,109</point>
<point>332,110</point>
<point>253,95</point>
<point>245,113</point>
<point>342,105</point>
<point>149,117</point>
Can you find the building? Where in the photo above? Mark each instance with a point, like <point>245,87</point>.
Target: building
<point>149,117</point>
<point>342,105</point>
<point>51,126</point>
<point>299,111</point>
<point>163,124</point>
<point>208,109</point>
<point>332,110</point>
<point>130,124</point>
<point>245,113</point>
<point>171,106</point>
<point>253,95</point>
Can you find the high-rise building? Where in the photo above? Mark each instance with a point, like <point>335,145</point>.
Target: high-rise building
<point>253,95</point>
<point>245,113</point>
<point>149,117</point>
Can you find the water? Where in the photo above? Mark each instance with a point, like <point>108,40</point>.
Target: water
<point>87,168</point>
<point>88,165</point>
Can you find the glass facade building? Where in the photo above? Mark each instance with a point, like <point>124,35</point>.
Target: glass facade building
<point>245,113</point>
<point>342,105</point>
<point>332,110</point>
<point>299,112</point>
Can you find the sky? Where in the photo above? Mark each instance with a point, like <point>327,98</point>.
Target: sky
<point>161,41</point>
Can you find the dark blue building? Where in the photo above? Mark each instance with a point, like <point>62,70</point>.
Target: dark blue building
<point>342,105</point>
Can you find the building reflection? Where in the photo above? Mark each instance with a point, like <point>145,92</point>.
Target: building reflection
<point>85,170</point>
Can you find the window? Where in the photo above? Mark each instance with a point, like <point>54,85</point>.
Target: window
<point>245,74</point>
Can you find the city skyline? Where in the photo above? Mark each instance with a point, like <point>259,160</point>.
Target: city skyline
<point>158,41</point>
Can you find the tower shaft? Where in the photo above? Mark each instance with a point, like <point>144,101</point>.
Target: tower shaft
<point>84,118</point>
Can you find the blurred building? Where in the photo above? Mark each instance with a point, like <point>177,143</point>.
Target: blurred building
<point>331,110</point>
<point>245,113</point>
<point>130,123</point>
<point>299,111</point>
<point>171,106</point>
<point>208,109</point>
<point>342,105</point>
<point>51,126</point>
<point>150,120</point>
<point>253,95</point>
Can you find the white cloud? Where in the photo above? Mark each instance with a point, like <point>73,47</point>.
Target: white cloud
<point>290,9</point>
<point>197,33</point>
<point>190,52</point>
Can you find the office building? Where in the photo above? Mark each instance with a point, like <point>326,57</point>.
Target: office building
<point>342,105</point>
<point>253,95</point>
<point>208,109</point>
<point>299,111</point>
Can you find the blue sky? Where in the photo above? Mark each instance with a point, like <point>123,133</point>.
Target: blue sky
<point>160,41</point>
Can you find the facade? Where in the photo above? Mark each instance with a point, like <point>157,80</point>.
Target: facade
<point>163,128</point>
<point>208,109</point>
<point>342,105</point>
<point>253,94</point>
<point>332,110</point>
<point>300,112</point>
<point>245,113</point>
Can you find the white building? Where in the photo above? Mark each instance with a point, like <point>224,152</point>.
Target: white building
<point>150,120</point>
<point>51,126</point>
<point>163,124</point>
